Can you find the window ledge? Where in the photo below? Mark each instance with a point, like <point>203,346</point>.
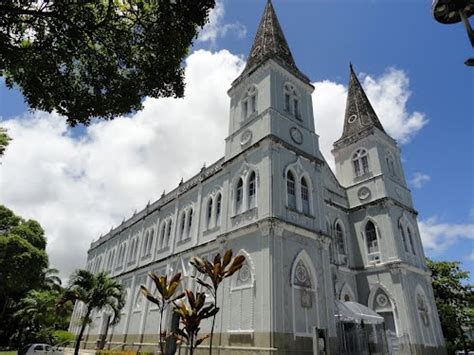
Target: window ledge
<point>162,250</point>
<point>248,119</point>
<point>291,209</point>
<point>212,229</point>
<point>363,176</point>
<point>247,215</point>
<point>241,331</point>
<point>183,241</point>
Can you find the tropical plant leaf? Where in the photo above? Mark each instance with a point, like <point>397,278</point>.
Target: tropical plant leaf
<point>227,258</point>
<point>202,283</point>
<point>200,340</point>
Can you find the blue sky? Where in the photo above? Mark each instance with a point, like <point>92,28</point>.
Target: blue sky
<point>324,36</point>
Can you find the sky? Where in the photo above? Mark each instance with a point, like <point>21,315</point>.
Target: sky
<point>80,182</point>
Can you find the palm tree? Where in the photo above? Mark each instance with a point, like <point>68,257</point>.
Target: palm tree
<point>51,280</point>
<point>96,292</point>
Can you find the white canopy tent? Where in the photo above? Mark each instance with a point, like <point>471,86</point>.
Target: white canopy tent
<point>353,312</point>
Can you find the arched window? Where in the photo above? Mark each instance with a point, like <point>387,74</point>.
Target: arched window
<point>150,242</point>
<point>341,248</point>
<point>305,195</point>
<point>168,231</point>
<point>131,251</point>
<point>410,238</point>
<point>252,189</point>
<point>391,164</point>
<point>182,225</point>
<point>242,299</point>
<point>304,298</point>
<point>209,212</point>
<point>218,208</point>
<point>423,309</point>
<point>162,235</point>
<point>383,305</point>
<point>360,162</point>
<point>249,102</point>
<point>145,244</point>
<point>239,195</point>
<point>404,239</point>
<point>190,222</point>
<point>135,251</point>
<point>332,254</point>
<point>372,242</point>
<point>290,189</point>
<point>292,101</point>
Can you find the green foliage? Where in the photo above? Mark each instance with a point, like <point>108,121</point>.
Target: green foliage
<point>101,58</point>
<point>63,337</point>
<point>38,318</point>
<point>454,300</point>
<point>8,219</point>
<point>96,292</point>
<point>29,289</point>
<point>4,140</point>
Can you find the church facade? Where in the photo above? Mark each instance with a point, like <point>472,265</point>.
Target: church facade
<point>317,244</point>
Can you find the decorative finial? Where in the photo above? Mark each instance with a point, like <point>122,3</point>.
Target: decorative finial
<point>181,182</point>
<point>164,193</point>
<point>203,167</point>
<point>148,204</point>
<point>135,212</point>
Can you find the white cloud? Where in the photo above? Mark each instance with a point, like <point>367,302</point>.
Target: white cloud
<point>438,236</point>
<point>216,29</point>
<point>77,188</point>
<point>388,93</point>
<point>419,180</point>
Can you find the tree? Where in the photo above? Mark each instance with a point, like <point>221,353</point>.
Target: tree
<point>99,58</point>
<point>38,317</point>
<point>454,300</point>
<point>96,292</point>
<point>4,140</point>
<point>22,261</point>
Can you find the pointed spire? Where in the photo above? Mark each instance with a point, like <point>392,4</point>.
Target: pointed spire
<point>359,112</point>
<point>270,42</point>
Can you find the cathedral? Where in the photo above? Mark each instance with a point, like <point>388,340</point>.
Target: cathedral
<point>334,261</point>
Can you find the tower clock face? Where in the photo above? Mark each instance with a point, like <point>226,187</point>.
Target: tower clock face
<point>296,135</point>
<point>246,137</point>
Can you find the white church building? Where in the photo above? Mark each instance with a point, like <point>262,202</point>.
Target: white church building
<point>340,253</point>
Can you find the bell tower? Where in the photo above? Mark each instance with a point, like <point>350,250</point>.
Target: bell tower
<point>366,155</point>
<point>271,97</point>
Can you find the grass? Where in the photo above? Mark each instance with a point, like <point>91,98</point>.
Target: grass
<point>8,352</point>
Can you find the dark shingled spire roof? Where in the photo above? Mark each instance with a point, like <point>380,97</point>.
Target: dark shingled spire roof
<point>269,43</point>
<point>359,112</point>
